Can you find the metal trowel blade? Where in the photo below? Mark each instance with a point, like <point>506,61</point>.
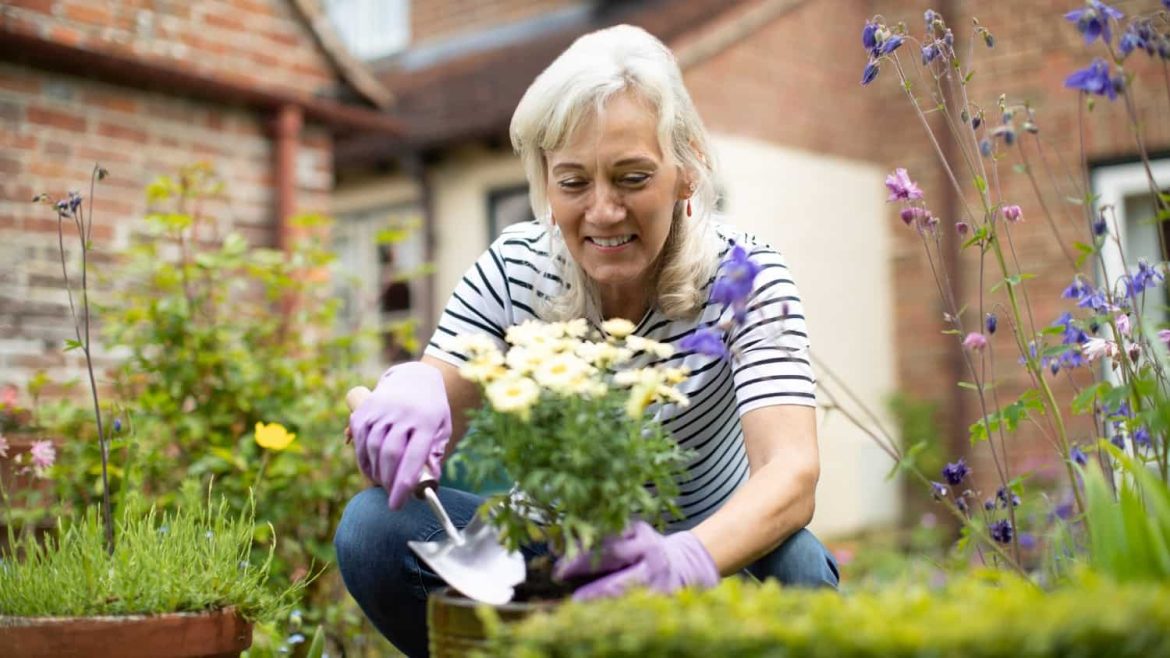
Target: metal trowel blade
<point>480,568</point>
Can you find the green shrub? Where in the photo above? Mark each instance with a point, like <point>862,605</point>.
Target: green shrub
<point>982,615</point>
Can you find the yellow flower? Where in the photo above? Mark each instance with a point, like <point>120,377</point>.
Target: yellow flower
<point>524,360</point>
<point>602,355</point>
<point>639,344</point>
<point>561,371</point>
<point>676,375</point>
<point>532,333</point>
<point>576,328</point>
<point>513,395</point>
<point>273,436</point>
<point>618,327</point>
<point>649,377</point>
<point>640,397</point>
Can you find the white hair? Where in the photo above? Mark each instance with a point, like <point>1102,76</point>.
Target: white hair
<point>576,87</point>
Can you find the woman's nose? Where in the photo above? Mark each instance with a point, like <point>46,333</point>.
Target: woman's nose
<point>606,205</point>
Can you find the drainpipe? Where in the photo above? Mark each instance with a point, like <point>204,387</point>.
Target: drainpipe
<point>288,124</point>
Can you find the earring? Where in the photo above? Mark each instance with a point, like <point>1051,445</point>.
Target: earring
<point>688,207</point>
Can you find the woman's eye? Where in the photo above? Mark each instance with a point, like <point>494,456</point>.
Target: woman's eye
<point>635,179</point>
<point>572,184</point>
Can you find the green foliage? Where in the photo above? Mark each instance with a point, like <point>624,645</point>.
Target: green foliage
<point>1008,418</point>
<point>582,462</point>
<point>979,616</point>
<point>216,336</point>
<point>197,557</point>
<point>1129,523</point>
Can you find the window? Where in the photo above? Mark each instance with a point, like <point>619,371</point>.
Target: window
<point>1125,190</point>
<point>371,28</point>
<point>377,252</point>
<point>507,205</point>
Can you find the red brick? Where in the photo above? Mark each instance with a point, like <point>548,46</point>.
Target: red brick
<point>88,12</point>
<point>118,131</point>
<point>55,118</point>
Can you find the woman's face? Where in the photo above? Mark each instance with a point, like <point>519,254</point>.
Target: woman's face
<point>613,192</point>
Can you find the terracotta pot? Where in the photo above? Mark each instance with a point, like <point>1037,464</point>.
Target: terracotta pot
<point>454,627</point>
<point>219,633</point>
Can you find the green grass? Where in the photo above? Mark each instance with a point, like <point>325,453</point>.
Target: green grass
<point>195,559</point>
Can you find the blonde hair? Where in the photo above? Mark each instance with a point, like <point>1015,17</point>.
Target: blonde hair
<point>576,87</point>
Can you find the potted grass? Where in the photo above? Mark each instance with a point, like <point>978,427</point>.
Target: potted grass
<point>567,416</point>
<point>131,581</point>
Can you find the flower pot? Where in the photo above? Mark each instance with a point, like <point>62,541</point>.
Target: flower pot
<point>218,633</point>
<point>454,627</point>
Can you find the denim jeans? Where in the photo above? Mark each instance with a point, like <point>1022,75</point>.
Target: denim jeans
<point>391,585</point>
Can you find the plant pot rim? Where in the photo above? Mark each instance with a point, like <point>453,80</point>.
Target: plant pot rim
<point>16,621</point>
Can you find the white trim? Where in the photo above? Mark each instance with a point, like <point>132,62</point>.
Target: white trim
<point>1113,184</point>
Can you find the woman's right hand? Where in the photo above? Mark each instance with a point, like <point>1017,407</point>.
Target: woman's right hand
<point>403,427</point>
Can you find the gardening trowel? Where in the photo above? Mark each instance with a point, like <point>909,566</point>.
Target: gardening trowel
<point>473,561</point>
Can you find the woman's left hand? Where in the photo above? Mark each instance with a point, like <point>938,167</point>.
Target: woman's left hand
<point>641,557</point>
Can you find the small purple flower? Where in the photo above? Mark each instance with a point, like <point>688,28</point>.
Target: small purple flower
<point>1141,436</point>
<point>1118,440</point>
<point>891,43</point>
<point>1147,277</point>
<point>985,148</point>
<point>901,187</point>
<point>43,454</point>
<point>117,424</point>
<point>1078,456</point>
<point>988,505</point>
<point>991,323</point>
<point>961,503</point>
<point>74,201</point>
<point>734,285</point>
<point>962,227</point>
<point>1093,20</point>
<point>1027,541</point>
<point>929,53</point>
<point>1064,510</point>
<point>1001,531</point>
<point>1094,79</point>
<point>911,213</point>
<point>975,341</point>
<point>938,490</point>
<point>1099,227</point>
<point>955,473</point>
<point>869,35</point>
<point>1013,213</point>
<point>705,341</point>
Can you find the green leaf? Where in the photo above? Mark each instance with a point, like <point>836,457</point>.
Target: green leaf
<point>980,184</point>
<point>317,646</point>
<point>72,344</point>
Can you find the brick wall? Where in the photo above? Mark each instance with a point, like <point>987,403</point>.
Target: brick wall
<point>434,20</point>
<point>250,41</point>
<point>53,128</point>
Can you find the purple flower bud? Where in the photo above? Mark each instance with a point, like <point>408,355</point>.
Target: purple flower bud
<point>869,35</point>
<point>117,424</point>
<point>938,491</point>
<point>909,214</point>
<point>991,322</point>
<point>1027,541</point>
<point>1118,440</point>
<point>705,341</point>
<point>870,72</point>
<point>949,38</point>
<point>1078,456</point>
<point>961,503</point>
<point>977,121</point>
<point>929,53</point>
<point>962,228</point>
<point>891,43</point>
<point>1013,213</point>
<point>985,147</point>
<point>988,505</point>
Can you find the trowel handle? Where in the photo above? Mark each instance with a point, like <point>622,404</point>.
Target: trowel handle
<point>354,399</point>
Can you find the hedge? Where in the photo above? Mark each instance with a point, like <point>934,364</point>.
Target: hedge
<point>980,616</point>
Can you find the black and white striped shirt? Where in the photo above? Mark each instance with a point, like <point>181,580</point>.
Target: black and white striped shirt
<point>770,365</point>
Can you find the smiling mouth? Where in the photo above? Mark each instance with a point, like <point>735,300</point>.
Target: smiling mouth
<point>610,243</point>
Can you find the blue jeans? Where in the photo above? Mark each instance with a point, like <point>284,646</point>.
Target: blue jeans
<point>391,585</point>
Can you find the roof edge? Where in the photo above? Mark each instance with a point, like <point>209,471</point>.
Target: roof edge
<point>352,70</point>
<point>699,45</point>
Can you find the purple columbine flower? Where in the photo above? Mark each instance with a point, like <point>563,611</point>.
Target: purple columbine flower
<point>869,36</point>
<point>43,454</point>
<point>911,213</point>
<point>929,53</point>
<point>706,341</point>
<point>117,424</point>
<point>991,322</point>
<point>1027,541</point>
<point>1093,20</point>
<point>985,147</point>
<point>1141,436</point>
<point>734,284</point>
<point>1001,531</point>
<point>891,43</point>
<point>901,187</point>
<point>1078,456</point>
<point>1100,226</point>
<point>1130,41</point>
<point>961,503</point>
<point>1013,213</point>
<point>74,201</point>
<point>962,227</point>
<point>955,473</point>
<point>1118,440</point>
<point>1147,277</point>
<point>938,490</point>
<point>989,505</point>
<point>1094,79</point>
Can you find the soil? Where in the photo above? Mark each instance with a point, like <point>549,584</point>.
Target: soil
<point>539,584</point>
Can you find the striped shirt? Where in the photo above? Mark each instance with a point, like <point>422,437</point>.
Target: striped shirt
<point>770,365</point>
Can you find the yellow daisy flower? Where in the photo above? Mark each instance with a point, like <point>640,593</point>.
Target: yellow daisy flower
<point>273,436</point>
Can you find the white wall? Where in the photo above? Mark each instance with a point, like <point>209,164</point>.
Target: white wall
<point>460,185</point>
<point>828,217</point>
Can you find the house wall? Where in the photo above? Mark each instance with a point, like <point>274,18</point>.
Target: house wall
<point>54,127</point>
<point>435,20</point>
<point>828,224</point>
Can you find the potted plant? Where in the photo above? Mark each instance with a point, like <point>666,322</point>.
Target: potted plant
<point>567,417</point>
<point>178,583</point>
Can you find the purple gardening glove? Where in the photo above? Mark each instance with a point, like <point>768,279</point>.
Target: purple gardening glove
<point>641,557</point>
<point>402,427</point>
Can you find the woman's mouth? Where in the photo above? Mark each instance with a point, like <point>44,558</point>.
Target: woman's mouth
<point>612,243</point>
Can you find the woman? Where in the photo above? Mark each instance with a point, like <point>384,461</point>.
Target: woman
<point>622,176</point>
